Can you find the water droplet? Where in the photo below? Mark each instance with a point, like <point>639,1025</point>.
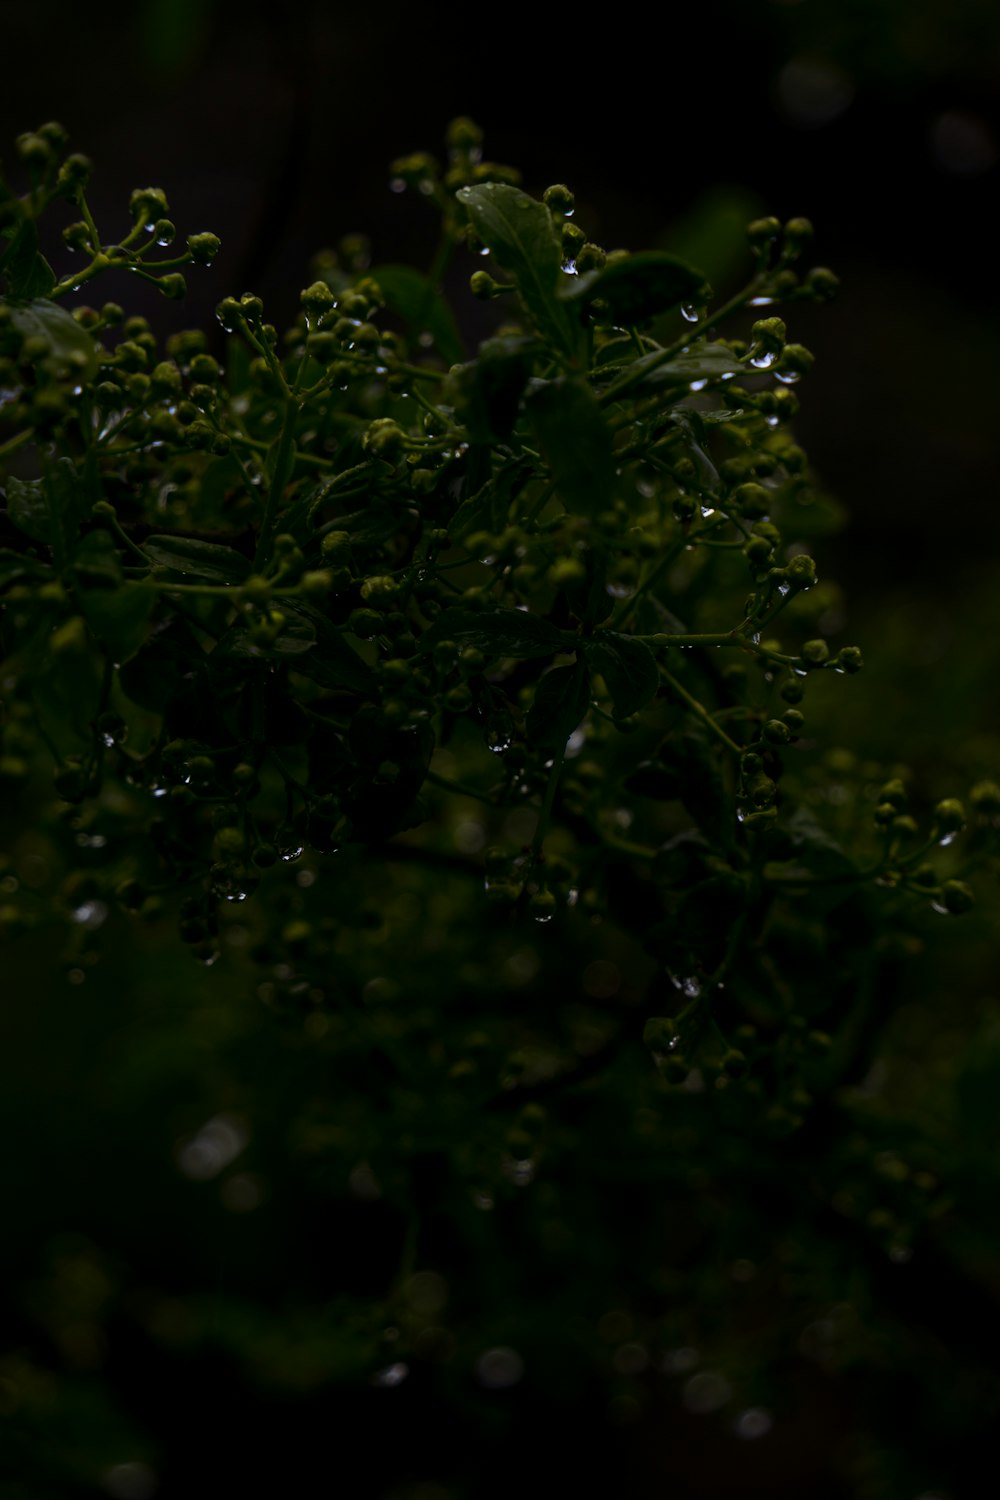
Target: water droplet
<point>772,421</point>
<point>706,1392</point>
<point>569,266</point>
<point>755,1422</point>
<point>291,853</point>
<point>760,301</point>
<point>939,908</point>
<point>691,988</point>
<point>764,360</point>
<point>784,589</point>
<point>787,377</point>
<point>707,510</point>
<point>544,916</point>
<point>90,914</point>
<point>948,838</point>
<point>698,385</point>
<point>498,1369</point>
<point>689,312</point>
<point>392,1375</point>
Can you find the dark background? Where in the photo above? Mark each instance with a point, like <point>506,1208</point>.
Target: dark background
<point>275,126</point>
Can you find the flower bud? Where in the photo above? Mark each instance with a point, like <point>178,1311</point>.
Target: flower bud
<point>484,287</point>
<point>761,231</point>
<point>74,174</point>
<point>801,571</point>
<point>985,797</point>
<point>590,257</point>
<point>463,134</point>
<point>822,284</point>
<point>146,205</point>
<point>559,199</point>
<point>949,816</point>
<point>753,501</point>
<point>815,652</point>
<point>849,659</point>
<point>957,898</point>
<point>203,248</point>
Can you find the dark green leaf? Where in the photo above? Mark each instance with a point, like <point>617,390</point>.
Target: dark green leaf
<point>654,618</point>
<point>628,667</point>
<point>522,239</point>
<point>637,288</point>
<point>96,562</point>
<point>693,761</point>
<point>48,510</point>
<point>704,362</point>
<point>576,442</point>
<point>410,295</point>
<point>27,272</point>
<point>119,617</point>
<point>334,664</point>
<point>487,509</point>
<point>486,393</point>
<point>28,508</point>
<point>497,632</point>
<point>560,703</point>
<point>204,560</point>
<point>70,347</point>
<point>158,669</point>
<point>296,638</point>
<point>14,565</point>
<point>588,596</point>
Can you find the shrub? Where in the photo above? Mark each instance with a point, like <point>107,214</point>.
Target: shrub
<point>470,699</point>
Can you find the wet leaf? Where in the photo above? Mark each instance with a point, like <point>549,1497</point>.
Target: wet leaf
<point>572,434</point>
<point>208,561</point>
<point>560,704</point>
<point>70,347</point>
<point>497,632</point>
<point>521,237</point>
<point>411,296</point>
<point>637,288</point>
<point>628,667</point>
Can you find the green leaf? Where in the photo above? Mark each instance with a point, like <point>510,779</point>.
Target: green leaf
<point>158,669</point>
<point>704,362</point>
<point>119,617</point>
<point>334,664</point>
<point>487,509</point>
<point>96,562</point>
<point>50,509</point>
<point>296,638</point>
<point>588,596</point>
<point>521,237</point>
<point>571,431</point>
<point>486,393</point>
<point>28,508</point>
<point>497,632</point>
<point>14,565</point>
<point>207,561</point>
<point>27,272</point>
<point>411,295</point>
<point>637,288</point>
<point>560,703</point>
<point>628,667</point>
<point>654,618</point>
<point>70,347</point>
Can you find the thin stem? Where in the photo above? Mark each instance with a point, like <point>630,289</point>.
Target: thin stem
<point>700,710</point>
<point>283,465</point>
